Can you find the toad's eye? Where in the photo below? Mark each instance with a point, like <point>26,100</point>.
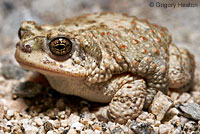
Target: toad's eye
<point>60,46</point>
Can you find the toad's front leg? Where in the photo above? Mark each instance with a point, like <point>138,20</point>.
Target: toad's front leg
<point>128,101</point>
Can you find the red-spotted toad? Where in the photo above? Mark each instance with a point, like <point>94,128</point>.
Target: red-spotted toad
<point>106,57</point>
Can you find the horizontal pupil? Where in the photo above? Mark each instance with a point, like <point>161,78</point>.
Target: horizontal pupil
<point>60,46</point>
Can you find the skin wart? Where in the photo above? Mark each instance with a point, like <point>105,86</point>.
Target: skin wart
<point>106,57</point>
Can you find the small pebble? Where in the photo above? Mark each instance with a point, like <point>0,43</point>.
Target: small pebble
<point>117,130</point>
<point>196,96</point>
<point>183,119</point>
<point>38,121</point>
<point>191,127</point>
<point>62,130</point>
<point>77,126</point>
<point>41,130</point>
<point>73,118</point>
<point>31,130</point>
<point>190,110</point>
<point>160,105</point>
<point>72,131</point>
<point>144,116</point>
<point>177,130</point>
<point>100,132</point>
<point>87,132</point>
<point>48,126</point>
<point>51,132</point>
<point>165,129</point>
<point>96,127</point>
<point>64,123</point>
<point>61,114</point>
<point>56,124</point>
<point>10,113</point>
<point>9,124</point>
<point>171,113</point>
<point>174,95</point>
<point>182,98</point>
<point>141,128</point>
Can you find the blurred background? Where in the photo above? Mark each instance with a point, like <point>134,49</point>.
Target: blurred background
<point>182,22</point>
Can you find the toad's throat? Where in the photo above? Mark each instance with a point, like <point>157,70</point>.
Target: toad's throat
<point>76,86</point>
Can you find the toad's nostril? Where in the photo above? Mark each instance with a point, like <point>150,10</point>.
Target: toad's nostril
<point>26,48</point>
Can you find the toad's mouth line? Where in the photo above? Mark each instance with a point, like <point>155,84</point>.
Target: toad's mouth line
<point>45,70</point>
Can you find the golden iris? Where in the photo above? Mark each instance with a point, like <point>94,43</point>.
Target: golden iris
<point>60,46</point>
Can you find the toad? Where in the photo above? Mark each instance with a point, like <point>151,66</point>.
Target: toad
<point>106,57</point>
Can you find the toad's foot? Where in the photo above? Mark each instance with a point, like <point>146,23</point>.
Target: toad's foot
<point>181,68</point>
<point>128,101</point>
